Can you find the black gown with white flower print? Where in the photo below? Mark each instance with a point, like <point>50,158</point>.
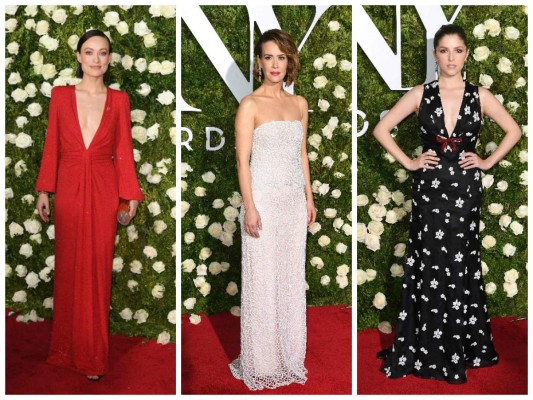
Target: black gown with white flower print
<point>443,326</point>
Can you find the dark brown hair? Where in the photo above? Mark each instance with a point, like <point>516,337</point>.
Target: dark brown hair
<point>450,29</point>
<point>286,45</point>
<point>86,36</point>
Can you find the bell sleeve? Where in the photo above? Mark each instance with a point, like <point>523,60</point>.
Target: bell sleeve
<point>128,185</point>
<point>47,179</point>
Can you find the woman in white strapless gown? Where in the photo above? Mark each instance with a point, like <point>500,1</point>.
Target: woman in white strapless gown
<point>277,207</point>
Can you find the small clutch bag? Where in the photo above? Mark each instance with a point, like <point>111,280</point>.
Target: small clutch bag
<point>123,216</point>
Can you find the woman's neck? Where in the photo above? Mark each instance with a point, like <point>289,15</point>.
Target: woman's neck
<point>274,90</point>
<point>92,85</point>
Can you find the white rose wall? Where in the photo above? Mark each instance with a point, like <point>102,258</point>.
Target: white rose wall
<point>40,53</point>
<point>497,38</point>
<point>210,199</point>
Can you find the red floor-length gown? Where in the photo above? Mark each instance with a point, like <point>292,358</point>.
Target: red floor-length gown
<point>87,183</point>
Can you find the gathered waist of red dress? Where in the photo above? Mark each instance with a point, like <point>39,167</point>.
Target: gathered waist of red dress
<point>85,155</point>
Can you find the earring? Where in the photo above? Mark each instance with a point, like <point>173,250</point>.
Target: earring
<point>436,71</point>
<point>464,74</point>
<point>260,74</point>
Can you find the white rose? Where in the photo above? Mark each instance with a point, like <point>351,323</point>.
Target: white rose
<point>215,268</point>
<point>319,63</point>
<point>342,281</point>
<point>361,277</point>
<point>377,212</point>
<point>509,250</point>
<point>315,140</point>
<point>325,280</point>
<point>215,230</point>
<point>232,289</point>
<point>375,228</point>
<point>523,178</point>
<point>49,43</point>
<point>511,33</point>
<point>399,250</point>
<point>517,228</point>
<point>48,302</point>
<point>487,181</point>
<point>383,195</point>
<point>525,60</point>
<point>341,248</point>
<point>163,338</point>
<point>396,270</point>
<point>154,208</point>
<point>504,221</point>
<point>314,228</point>
<point>231,213</point>
<point>189,303</point>
<point>330,60</point>
<point>481,226</point>
<point>46,89</point>
<point>323,105</point>
<point>205,253</point>
<point>167,67</point>
<point>149,40</point>
<point>224,266</point>
<point>481,53</point>
<point>236,311</point>
<point>188,238</point>
<point>26,250</point>
<point>48,71</point>
<point>379,301</point>
<point>495,208</point>
<point>320,81</point>
<point>199,191</point>
<point>15,229</point>
<point>317,262</point>
<point>336,193</point>
<point>345,65</point>
<point>512,106</point>
<point>372,242</point>
<point>330,213</point>
<point>342,270</point>
<point>361,232</point>
<point>42,27</point>
<point>141,316</point>
<point>165,98</point>
<point>19,297</point>
<point>520,82</point>
<point>159,226</point>
<point>324,241</point>
<point>347,229</point>
<point>136,267</point>
<point>504,65</point>
<point>479,31</point>
<point>511,276</point>
<point>141,29</point>
<point>34,109</point>
<point>521,212</point>
<point>401,175</point>
<point>499,97</point>
<point>362,200</point>
<point>150,252</point>
<point>32,226</point>
<point>510,288</point>
<point>490,288</point>
<point>32,280</point>
<point>19,95</point>
<point>493,27</point>
<point>111,18</point>
<point>15,78</point>
<point>502,186</point>
<point>334,26</point>
<point>195,319</point>
<point>339,92</point>
<point>158,291</point>
<point>21,270</point>
<point>188,265</point>
<point>371,274</point>
<point>488,242</point>
<point>208,177</point>
<point>21,121</point>
<point>485,80</point>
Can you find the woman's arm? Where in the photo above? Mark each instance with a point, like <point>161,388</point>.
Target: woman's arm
<point>405,106</point>
<point>311,210</point>
<point>244,130</point>
<point>492,108</point>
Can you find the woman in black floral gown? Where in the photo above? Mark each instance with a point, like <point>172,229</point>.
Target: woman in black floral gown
<point>443,326</point>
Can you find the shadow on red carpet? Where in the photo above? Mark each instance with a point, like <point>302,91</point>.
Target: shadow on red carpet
<point>136,366</point>
<point>208,348</point>
<point>509,376</point>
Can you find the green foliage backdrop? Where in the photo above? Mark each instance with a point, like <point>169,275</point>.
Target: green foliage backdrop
<point>28,30</point>
<point>211,269</point>
<point>374,169</point>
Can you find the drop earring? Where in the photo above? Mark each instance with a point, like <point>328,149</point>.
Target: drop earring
<point>436,71</point>
<point>260,74</point>
<point>464,74</point>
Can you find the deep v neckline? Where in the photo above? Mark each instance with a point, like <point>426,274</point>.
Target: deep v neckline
<point>75,106</point>
<point>443,113</point>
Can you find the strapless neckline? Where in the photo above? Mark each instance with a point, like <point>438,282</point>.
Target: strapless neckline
<point>277,122</point>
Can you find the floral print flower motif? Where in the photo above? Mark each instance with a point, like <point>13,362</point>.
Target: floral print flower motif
<point>439,234</point>
<point>434,284</point>
<point>459,257</point>
<point>456,304</point>
<point>438,111</point>
<point>437,334</point>
<point>402,315</point>
<point>459,202</point>
<point>402,360</point>
<point>418,365</point>
<point>435,183</point>
<point>455,358</point>
<point>477,362</point>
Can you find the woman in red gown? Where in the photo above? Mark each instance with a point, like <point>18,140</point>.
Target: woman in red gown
<point>88,164</point>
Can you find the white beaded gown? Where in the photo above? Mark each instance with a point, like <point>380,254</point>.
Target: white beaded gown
<point>273,308</point>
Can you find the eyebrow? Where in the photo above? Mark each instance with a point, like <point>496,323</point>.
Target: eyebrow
<point>281,54</point>
<point>90,48</point>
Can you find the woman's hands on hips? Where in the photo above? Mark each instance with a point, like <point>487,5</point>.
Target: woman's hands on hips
<point>472,160</point>
<point>426,160</point>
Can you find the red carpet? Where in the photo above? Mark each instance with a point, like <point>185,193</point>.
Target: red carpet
<point>208,347</point>
<point>136,366</point>
<point>509,376</point>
